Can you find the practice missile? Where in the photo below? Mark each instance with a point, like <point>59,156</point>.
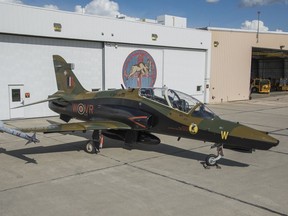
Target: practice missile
<point>18,133</point>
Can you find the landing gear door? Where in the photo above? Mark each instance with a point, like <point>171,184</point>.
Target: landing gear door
<point>16,98</point>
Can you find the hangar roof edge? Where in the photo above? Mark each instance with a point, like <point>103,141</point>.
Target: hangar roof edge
<point>99,16</point>
<point>242,30</point>
<point>42,22</point>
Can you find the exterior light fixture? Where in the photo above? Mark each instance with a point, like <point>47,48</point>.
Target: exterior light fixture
<point>57,27</point>
<point>282,47</point>
<point>154,37</point>
<point>216,43</point>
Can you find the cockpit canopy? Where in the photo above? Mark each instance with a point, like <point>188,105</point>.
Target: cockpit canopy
<point>177,100</point>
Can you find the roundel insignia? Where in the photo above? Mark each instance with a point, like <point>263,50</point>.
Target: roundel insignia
<point>81,109</point>
<point>139,70</point>
<point>193,128</point>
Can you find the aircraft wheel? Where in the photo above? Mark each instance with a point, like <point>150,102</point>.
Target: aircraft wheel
<point>210,160</point>
<point>254,90</point>
<point>90,148</point>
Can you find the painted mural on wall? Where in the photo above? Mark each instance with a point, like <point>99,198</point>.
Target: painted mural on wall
<point>139,70</point>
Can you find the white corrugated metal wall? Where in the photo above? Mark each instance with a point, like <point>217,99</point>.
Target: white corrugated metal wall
<point>181,69</point>
<point>28,61</point>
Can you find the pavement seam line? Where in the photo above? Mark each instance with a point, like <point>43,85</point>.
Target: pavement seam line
<point>60,178</point>
<point>209,190</point>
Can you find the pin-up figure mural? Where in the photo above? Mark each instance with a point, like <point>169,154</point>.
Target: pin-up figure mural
<point>139,70</point>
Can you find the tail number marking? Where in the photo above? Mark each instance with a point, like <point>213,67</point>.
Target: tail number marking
<point>224,135</point>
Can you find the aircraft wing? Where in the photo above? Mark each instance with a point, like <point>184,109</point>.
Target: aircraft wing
<point>78,126</point>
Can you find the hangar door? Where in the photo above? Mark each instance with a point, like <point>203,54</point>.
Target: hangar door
<point>146,63</point>
<point>269,64</point>
<point>28,61</point>
<point>186,70</point>
<point>180,69</point>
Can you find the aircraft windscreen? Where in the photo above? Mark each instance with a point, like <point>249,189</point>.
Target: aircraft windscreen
<point>202,111</point>
<point>177,100</point>
<point>155,94</point>
<point>181,101</point>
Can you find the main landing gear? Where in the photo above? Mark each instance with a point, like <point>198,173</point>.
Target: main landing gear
<point>94,145</point>
<point>211,160</point>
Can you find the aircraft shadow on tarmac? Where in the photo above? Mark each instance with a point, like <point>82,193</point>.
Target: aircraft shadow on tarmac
<point>79,146</point>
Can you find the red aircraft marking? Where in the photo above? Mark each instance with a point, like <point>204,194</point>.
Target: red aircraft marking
<point>135,118</point>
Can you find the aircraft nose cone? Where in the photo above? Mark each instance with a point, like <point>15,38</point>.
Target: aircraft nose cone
<point>255,139</point>
<point>269,140</point>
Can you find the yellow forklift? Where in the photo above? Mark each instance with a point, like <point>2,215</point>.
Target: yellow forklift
<point>261,85</point>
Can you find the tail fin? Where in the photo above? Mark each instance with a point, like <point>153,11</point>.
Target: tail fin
<point>66,79</point>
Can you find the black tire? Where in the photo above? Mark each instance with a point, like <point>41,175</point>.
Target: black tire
<point>254,90</point>
<point>210,160</point>
<point>90,148</point>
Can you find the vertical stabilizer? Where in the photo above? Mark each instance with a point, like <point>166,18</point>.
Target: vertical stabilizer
<point>66,79</point>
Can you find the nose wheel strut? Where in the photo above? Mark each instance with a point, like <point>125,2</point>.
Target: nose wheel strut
<point>211,159</point>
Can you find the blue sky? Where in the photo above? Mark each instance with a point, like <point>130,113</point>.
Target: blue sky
<point>199,13</point>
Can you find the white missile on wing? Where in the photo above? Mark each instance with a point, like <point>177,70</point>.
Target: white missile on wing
<point>18,133</point>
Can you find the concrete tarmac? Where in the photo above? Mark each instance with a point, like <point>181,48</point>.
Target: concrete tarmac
<point>56,176</point>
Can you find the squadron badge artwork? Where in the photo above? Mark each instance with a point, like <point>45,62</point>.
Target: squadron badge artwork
<point>139,70</point>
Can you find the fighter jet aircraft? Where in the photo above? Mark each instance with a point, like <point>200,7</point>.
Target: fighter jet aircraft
<point>135,115</point>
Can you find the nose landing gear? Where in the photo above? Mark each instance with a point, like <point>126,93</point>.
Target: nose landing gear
<point>211,159</point>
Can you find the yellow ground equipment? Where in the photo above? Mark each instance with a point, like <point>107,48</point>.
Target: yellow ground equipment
<point>283,85</point>
<point>261,85</point>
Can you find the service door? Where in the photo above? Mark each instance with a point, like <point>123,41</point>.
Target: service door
<point>16,98</point>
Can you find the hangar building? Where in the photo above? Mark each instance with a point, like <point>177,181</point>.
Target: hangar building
<point>237,56</point>
<point>103,51</point>
<point>213,64</point>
